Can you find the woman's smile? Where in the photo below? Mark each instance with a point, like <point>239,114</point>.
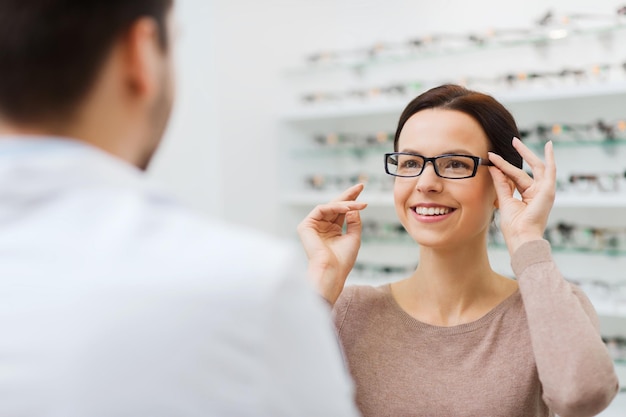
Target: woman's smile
<point>431,213</point>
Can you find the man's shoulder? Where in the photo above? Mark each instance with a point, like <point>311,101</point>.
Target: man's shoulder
<point>173,235</point>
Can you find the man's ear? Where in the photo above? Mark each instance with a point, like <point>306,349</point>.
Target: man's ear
<point>143,56</point>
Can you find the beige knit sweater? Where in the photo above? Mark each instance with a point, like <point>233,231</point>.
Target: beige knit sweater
<point>537,353</point>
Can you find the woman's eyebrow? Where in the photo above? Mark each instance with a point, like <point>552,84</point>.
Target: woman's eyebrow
<point>449,151</point>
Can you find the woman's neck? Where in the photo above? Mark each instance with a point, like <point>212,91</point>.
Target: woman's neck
<point>452,286</point>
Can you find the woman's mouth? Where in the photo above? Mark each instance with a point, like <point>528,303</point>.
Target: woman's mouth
<point>432,211</point>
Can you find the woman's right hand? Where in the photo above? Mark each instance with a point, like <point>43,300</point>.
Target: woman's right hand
<point>330,252</point>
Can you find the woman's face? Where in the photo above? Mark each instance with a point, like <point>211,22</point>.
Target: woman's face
<point>439,212</point>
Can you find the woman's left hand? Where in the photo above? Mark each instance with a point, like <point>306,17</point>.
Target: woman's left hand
<point>524,220</point>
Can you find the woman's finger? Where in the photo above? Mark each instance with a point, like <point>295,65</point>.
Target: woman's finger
<point>520,178</point>
<point>501,184</point>
<point>350,194</point>
<point>528,155</point>
<point>543,171</point>
<point>550,170</point>
<point>353,223</point>
<point>535,163</point>
<point>331,211</point>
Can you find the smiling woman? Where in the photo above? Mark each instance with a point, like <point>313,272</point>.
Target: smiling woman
<point>455,337</point>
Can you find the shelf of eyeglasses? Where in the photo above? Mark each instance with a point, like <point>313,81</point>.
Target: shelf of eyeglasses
<point>450,44</point>
<point>577,143</point>
<point>330,106</point>
<point>592,189</point>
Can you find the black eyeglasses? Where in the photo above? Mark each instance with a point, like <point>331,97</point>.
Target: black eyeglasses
<point>452,166</point>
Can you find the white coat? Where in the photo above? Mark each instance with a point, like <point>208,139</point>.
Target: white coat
<point>117,301</point>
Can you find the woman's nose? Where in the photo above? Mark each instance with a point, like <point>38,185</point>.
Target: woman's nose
<point>428,180</point>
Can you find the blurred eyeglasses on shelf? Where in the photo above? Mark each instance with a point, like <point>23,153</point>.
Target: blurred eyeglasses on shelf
<point>564,235</point>
<point>606,182</point>
<point>547,27</point>
<point>376,231</point>
<point>328,182</point>
<point>567,236</point>
<point>353,140</point>
<point>391,91</point>
<point>596,131</point>
<point>505,82</point>
<point>377,270</point>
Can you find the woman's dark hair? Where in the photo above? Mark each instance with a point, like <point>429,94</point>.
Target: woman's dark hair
<point>495,120</point>
<point>51,50</point>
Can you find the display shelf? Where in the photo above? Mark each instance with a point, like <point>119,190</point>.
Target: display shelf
<point>393,107</point>
<point>604,200</point>
<point>346,109</point>
<point>605,143</point>
<point>538,36</point>
<point>561,92</point>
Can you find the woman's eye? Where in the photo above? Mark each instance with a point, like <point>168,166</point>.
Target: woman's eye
<point>456,164</point>
<point>411,163</point>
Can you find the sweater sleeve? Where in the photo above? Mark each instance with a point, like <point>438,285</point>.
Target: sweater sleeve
<point>576,372</point>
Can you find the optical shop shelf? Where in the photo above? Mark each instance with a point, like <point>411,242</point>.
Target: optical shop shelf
<point>311,112</point>
<point>425,48</point>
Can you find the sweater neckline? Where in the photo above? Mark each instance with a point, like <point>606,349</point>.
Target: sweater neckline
<point>411,321</point>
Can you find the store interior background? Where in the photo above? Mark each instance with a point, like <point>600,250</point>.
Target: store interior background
<point>242,68</point>
<point>234,61</point>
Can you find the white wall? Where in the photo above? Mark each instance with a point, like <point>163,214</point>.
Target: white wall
<point>187,162</point>
<point>221,153</point>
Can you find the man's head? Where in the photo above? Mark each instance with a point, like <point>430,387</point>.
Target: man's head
<point>63,61</point>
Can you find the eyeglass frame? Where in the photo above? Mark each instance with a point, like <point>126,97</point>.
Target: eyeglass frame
<point>478,161</point>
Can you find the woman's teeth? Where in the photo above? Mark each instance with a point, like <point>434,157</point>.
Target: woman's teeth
<point>432,211</point>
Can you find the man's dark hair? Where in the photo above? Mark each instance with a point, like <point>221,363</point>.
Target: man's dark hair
<point>51,51</point>
<point>496,121</point>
